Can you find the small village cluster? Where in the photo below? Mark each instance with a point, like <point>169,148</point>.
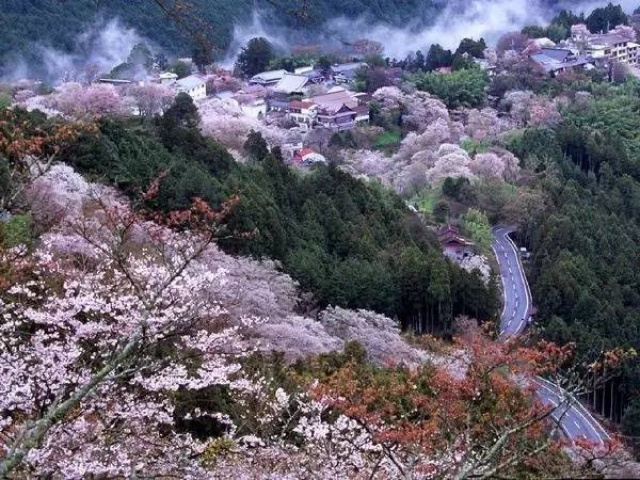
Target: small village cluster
<point>309,98</point>
<point>306,99</point>
<point>587,51</point>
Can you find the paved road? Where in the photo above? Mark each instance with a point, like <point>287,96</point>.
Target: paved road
<point>575,420</point>
<point>517,298</point>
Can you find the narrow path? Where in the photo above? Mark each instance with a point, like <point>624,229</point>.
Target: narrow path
<point>575,420</point>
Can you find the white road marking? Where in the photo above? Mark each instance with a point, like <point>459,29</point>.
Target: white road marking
<point>576,407</point>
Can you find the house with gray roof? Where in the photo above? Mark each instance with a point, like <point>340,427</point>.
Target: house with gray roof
<point>268,78</point>
<point>346,72</point>
<point>556,60</point>
<point>291,83</point>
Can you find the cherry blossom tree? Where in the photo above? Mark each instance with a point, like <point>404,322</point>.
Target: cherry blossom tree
<point>487,165</point>
<point>517,103</point>
<point>580,34</point>
<point>225,122</point>
<point>151,99</point>
<point>491,56</point>
<point>418,109</point>
<point>379,335</point>
<point>365,47</point>
<point>87,102</point>
<point>23,95</point>
<point>102,295</point>
<point>625,31</point>
<point>484,124</point>
<point>92,350</point>
<point>451,162</point>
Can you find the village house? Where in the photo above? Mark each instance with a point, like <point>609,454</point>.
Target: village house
<point>268,78</point>
<point>604,48</point>
<point>193,86</point>
<point>453,245</point>
<point>278,102</point>
<point>168,78</point>
<point>345,72</point>
<point>291,84</point>
<point>339,109</point>
<point>612,48</point>
<point>543,42</point>
<point>303,112</point>
<point>557,60</point>
<point>313,75</point>
<point>343,118</point>
<point>307,158</point>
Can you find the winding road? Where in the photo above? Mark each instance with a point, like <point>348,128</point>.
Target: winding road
<point>575,420</point>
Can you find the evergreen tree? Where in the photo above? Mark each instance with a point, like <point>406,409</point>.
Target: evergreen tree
<point>256,146</point>
<point>255,57</point>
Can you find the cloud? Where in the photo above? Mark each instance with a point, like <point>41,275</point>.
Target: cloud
<point>459,19</point>
<point>242,33</point>
<point>102,46</point>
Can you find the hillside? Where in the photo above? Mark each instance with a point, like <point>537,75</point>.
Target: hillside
<point>26,26</point>
<point>213,275</point>
<point>29,27</point>
<point>151,351</point>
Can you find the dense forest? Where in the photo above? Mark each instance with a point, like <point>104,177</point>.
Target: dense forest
<point>585,266</point>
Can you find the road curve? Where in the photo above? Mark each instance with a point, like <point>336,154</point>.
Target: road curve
<point>576,422</point>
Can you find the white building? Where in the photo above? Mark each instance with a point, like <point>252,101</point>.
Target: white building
<point>168,78</point>
<point>193,86</point>
<point>304,113</point>
<point>613,47</point>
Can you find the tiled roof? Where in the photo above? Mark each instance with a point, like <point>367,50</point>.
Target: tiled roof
<point>606,39</point>
<point>556,59</point>
<point>269,76</point>
<point>304,152</point>
<point>335,100</point>
<point>290,83</point>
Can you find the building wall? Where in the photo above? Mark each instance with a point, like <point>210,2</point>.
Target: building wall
<point>196,93</point>
<point>255,110</point>
<point>455,250</point>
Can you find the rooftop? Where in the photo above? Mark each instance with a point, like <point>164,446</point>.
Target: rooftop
<point>333,102</point>
<point>606,39</point>
<point>290,83</point>
<point>344,67</point>
<point>190,82</point>
<point>269,76</point>
<point>551,59</point>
